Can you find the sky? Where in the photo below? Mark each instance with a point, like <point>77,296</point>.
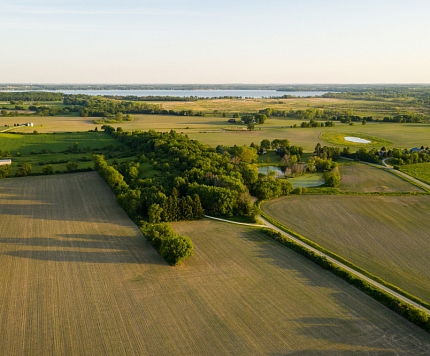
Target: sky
<point>215,42</point>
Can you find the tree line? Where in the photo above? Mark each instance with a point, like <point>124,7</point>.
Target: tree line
<point>30,96</point>
<point>96,106</point>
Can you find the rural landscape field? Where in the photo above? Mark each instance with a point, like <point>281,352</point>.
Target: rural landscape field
<point>122,261</point>
<point>214,178</point>
<point>386,235</point>
<point>78,278</point>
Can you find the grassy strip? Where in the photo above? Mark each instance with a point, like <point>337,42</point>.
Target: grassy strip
<point>411,313</point>
<point>408,180</point>
<point>337,191</point>
<point>344,261</point>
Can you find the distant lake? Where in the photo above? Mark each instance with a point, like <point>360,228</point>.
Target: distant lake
<point>199,93</point>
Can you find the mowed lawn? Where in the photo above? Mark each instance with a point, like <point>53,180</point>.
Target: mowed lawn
<point>389,236</point>
<point>77,278</point>
<point>359,177</point>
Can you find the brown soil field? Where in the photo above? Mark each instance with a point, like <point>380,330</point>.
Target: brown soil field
<point>78,278</point>
<point>359,177</point>
<point>386,235</point>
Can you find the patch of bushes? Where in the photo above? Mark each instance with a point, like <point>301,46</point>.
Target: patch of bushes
<point>173,247</point>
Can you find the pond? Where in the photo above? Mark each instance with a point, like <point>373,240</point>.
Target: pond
<point>356,139</point>
<point>305,181</point>
<point>279,171</point>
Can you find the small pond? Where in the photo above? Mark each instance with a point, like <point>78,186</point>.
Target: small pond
<point>356,139</point>
<point>279,171</point>
<point>305,181</point>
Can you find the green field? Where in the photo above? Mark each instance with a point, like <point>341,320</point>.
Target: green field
<point>216,131</point>
<point>359,177</point>
<point>385,235</point>
<point>78,278</point>
<point>420,171</point>
<point>58,142</point>
<point>308,180</point>
<point>377,109</point>
<point>338,139</point>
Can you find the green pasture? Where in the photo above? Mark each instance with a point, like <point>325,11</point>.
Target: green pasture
<point>26,144</point>
<point>217,131</point>
<point>338,139</point>
<point>377,109</point>
<point>385,235</point>
<point>307,180</point>
<point>420,171</point>
<point>146,170</point>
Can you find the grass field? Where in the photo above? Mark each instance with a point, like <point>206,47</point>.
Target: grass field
<point>420,171</point>
<point>386,235</point>
<point>216,131</point>
<point>58,142</point>
<point>359,177</point>
<point>308,180</point>
<point>79,279</point>
<point>378,109</point>
<point>338,139</point>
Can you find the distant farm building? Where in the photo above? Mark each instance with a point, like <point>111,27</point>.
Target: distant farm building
<point>416,150</point>
<point>5,162</point>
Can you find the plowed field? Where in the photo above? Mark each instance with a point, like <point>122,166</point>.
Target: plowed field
<point>77,278</point>
<point>388,236</point>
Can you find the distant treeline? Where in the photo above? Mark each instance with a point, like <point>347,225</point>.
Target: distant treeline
<point>165,98</point>
<point>299,87</point>
<point>30,96</point>
<point>417,95</point>
<point>95,106</point>
<point>344,116</point>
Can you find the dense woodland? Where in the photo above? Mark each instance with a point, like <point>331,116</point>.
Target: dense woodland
<point>189,173</point>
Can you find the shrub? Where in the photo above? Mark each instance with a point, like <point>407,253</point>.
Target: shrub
<point>175,249</point>
<point>171,246</point>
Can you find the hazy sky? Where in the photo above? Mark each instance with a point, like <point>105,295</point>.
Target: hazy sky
<point>223,41</point>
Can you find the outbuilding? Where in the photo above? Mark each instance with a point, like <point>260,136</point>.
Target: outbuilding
<point>5,162</point>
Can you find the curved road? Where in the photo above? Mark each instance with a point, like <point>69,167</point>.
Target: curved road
<point>340,264</point>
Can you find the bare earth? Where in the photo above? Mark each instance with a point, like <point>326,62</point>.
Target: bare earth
<point>77,278</point>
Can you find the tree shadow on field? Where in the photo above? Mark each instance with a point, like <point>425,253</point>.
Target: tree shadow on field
<point>281,256</point>
<point>87,248</point>
<point>364,326</point>
<point>361,337</point>
<point>83,197</point>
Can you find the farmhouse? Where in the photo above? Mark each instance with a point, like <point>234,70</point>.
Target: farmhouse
<point>5,162</point>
